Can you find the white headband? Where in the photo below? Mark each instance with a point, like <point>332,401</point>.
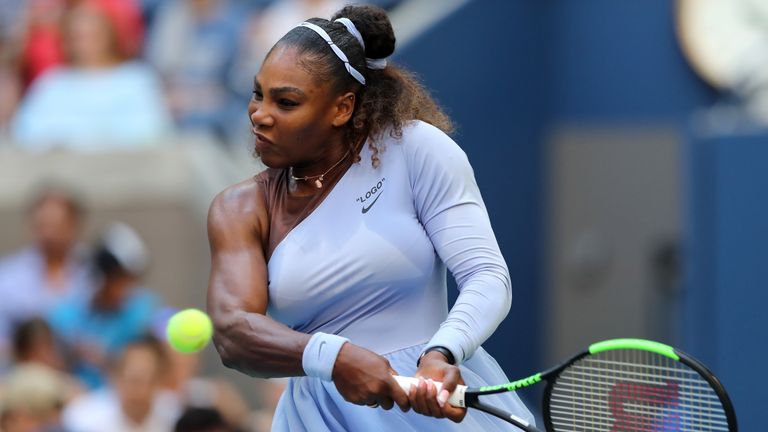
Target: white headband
<point>371,63</point>
<point>339,53</point>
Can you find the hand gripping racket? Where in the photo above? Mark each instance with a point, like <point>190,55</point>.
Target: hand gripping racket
<point>618,385</point>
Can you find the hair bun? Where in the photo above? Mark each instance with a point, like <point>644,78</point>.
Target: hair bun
<point>373,24</point>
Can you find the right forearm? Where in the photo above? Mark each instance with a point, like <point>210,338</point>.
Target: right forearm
<point>257,345</point>
<point>245,337</point>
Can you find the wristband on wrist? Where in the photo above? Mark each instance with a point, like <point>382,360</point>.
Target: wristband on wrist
<point>320,354</point>
<point>442,350</point>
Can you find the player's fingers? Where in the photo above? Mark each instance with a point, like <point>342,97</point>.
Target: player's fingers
<point>451,379</point>
<point>431,400</point>
<point>386,403</point>
<point>416,397</point>
<point>399,396</point>
<point>453,413</point>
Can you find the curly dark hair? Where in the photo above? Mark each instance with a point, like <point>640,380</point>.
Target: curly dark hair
<point>391,96</point>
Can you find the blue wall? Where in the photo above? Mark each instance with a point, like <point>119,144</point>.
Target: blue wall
<point>618,61</point>
<point>727,233</point>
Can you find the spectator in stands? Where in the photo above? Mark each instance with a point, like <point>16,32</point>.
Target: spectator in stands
<point>11,12</point>
<point>37,278</point>
<point>10,92</point>
<point>202,420</point>
<point>34,342</point>
<point>99,98</point>
<point>270,25</point>
<point>135,401</point>
<point>40,37</point>
<point>37,27</point>
<point>35,390</point>
<point>34,348</point>
<point>10,81</point>
<point>118,311</point>
<point>32,399</point>
<point>195,390</point>
<point>149,10</point>
<point>193,44</point>
<point>281,16</point>
<point>126,16</point>
<point>269,391</point>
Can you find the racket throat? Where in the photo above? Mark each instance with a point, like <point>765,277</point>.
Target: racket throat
<point>472,401</point>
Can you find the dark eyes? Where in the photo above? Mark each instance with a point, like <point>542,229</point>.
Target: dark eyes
<point>287,103</point>
<point>282,102</point>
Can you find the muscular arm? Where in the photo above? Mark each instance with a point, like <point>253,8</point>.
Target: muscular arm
<point>246,339</point>
<point>249,341</point>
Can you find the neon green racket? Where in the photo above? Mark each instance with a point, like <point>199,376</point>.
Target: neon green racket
<point>618,385</point>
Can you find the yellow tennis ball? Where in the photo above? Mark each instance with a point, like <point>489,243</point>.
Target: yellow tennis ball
<point>189,330</point>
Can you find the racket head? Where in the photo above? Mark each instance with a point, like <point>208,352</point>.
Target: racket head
<point>636,385</point>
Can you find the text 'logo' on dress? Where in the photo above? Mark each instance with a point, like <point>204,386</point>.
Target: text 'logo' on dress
<point>371,196</point>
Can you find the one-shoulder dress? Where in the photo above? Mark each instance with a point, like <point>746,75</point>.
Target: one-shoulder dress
<point>369,263</point>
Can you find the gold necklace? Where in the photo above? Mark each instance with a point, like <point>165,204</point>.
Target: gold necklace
<point>318,178</point>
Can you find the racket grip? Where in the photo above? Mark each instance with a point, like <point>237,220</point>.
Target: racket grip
<point>456,399</point>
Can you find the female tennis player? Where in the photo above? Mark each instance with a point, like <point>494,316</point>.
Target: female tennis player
<point>330,265</point>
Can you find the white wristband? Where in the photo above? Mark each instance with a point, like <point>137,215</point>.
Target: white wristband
<point>320,355</point>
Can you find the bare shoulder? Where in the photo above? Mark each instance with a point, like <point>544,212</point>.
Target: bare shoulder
<point>238,199</point>
<point>239,209</point>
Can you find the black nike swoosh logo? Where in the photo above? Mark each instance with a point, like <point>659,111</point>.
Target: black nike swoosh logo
<point>365,209</point>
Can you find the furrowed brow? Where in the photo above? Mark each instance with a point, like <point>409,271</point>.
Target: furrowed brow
<point>278,90</point>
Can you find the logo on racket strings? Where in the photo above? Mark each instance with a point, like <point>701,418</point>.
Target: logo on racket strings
<point>645,406</point>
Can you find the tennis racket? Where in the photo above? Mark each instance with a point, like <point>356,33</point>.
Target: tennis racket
<point>618,385</point>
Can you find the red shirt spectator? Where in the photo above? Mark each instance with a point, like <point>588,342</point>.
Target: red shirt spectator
<point>43,46</point>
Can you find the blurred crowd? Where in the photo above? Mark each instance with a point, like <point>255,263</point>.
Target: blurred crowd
<point>82,344</point>
<point>100,74</point>
<point>82,340</point>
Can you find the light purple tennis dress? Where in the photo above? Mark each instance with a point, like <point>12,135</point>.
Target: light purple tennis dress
<point>369,263</point>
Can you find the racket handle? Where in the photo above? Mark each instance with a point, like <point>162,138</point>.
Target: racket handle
<point>456,399</point>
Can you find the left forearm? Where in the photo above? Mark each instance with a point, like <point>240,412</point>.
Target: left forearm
<point>482,305</point>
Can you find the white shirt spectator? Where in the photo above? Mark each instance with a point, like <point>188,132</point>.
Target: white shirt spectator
<point>93,109</point>
<point>100,410</point>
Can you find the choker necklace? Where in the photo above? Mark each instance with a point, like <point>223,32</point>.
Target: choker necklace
<point>318,178</point>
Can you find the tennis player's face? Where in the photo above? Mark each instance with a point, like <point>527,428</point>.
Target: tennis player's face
<point>295,118</point>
